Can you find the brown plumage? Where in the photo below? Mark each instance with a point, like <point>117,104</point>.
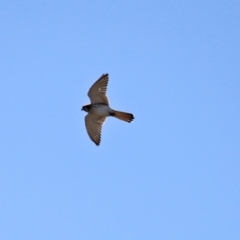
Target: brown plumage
<point>127,117</point>
<point>99,109</point>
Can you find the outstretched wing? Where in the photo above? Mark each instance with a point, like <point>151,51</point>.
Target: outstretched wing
<point>97,92</point>
<point>94,127</point>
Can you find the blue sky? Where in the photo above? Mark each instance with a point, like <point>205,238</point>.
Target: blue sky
<point>173,173</point>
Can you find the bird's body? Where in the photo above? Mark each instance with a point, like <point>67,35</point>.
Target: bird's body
<point>99,109</point>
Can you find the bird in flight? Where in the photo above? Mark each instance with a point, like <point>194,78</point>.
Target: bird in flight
<point>99,109</point>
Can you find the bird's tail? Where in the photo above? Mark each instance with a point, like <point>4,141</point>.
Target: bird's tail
<point>127,117</point>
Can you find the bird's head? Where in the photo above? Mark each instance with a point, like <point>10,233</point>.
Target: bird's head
<point>86,108</point>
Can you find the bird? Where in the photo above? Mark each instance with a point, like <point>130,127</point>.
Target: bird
<point>98,110</point>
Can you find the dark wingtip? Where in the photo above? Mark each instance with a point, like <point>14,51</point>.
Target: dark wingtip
<point>104,75</point>
<point>98,142</point>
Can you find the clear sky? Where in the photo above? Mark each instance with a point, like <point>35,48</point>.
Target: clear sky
<point>173,173</point>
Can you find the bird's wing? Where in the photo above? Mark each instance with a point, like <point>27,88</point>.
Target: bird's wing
<point>94,126</point>
<point>97,92</point>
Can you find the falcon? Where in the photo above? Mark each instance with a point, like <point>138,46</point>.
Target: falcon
<point>99,109</point>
